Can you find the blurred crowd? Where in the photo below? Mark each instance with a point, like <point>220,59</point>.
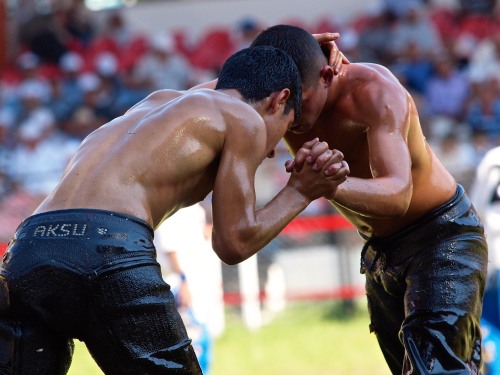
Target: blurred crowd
<point>71,75</point>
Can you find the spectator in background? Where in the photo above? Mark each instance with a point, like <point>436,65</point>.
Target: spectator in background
<point>117,30</point>
<point>45,36</point>
<point>413,68</point>
<point>193,270</point>
<point>372,42</point>
<point>67,94</point>
<point>28,66</point>
<point>483,109</point>
<point>111,85</point>
<point>115,96</point>
<point>15,203</point>
<point>457,156</point>
<point>485,60</point>
<point>78,22</point>
<point>447,89</point>
<point>247,30</point>
<point>415,27</point>
<point>481,144</point>
<point>89,115</point>
<point>446,92</point>
<point>39,159</point>
<point>162,67</point>
<point>399,8</point>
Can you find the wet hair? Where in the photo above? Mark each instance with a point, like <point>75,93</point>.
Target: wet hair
<point>258,72</point>
<point>298,43</point>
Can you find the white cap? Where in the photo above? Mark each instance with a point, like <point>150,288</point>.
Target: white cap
<point>162,42</point>
<point>89,82</point>
<point>28,60</point>
<point>71,62</point>
<point>106,64</point>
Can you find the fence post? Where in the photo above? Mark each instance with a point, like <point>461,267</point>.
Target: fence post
<point>249,289</point>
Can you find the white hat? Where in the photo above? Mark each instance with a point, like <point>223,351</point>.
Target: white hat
<point>71,62</point>
<point>89,82</point>
<point>106,64</point>
<point>28,60</point>
<point>163,42</point>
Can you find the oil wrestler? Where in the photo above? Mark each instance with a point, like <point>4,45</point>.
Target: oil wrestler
<point>425,255</point>
<point>84,264</point>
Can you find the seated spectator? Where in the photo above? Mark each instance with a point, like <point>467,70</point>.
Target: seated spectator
<point>458,157</point>
<point>444,96</point>
<point>400,7</point>
<point>28,66</point>
<point>111,84</point>
<point>413,68</point>
<point>246,31</point>
<point>485,60</point>
<point>78,22</point>
<point>45,36</point>
<point>416,27</point>
<point>481,144</point>
<point>38,160</point>
<point>88,116</point>
<point>67,94</point>
<point>373,37</point>
<point>162,67</point>
<point>483,109</point>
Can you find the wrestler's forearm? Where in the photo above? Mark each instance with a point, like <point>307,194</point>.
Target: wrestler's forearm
<point>236,243</point>
<point>382,198</point>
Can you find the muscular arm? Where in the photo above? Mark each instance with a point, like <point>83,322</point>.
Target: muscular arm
<point>385,109</point>
<point>240,229</point>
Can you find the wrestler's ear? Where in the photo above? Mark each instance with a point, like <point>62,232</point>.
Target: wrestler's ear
<point>279,99</point>
<point>326,74</point>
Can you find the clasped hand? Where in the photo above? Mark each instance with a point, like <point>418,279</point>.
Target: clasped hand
<point>317,156</point>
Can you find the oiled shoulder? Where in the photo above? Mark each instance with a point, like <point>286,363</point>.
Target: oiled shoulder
<point>232,110</point>
<point>156,99</point>
<point>378,98</point>
<point>369,73</point>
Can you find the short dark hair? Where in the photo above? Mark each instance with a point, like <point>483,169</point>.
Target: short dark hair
<point>298,43</point>
<point>258,72</point>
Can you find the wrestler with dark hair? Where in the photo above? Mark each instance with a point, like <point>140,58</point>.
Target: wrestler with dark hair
<point>84,264</point>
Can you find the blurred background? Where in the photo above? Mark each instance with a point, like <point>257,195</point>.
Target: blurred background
<point>69,66</point>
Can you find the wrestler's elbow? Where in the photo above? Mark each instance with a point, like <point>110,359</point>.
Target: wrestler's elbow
<point>230,252</point>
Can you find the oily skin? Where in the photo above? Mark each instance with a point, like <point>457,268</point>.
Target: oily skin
<point>395,178</point>
<point>362,110</point>
<point>173,148</point>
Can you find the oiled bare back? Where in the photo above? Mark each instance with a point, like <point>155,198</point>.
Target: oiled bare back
<point>160,156</point>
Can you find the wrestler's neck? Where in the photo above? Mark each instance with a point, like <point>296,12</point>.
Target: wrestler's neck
<point>338,88</point>
<point>232,93</point>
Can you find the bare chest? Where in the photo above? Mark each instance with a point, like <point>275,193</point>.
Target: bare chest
<point>346,137</point>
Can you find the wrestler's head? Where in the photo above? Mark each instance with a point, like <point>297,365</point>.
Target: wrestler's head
<point>258,72</point>
<point>312,63</point>
<point>265,75</point>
